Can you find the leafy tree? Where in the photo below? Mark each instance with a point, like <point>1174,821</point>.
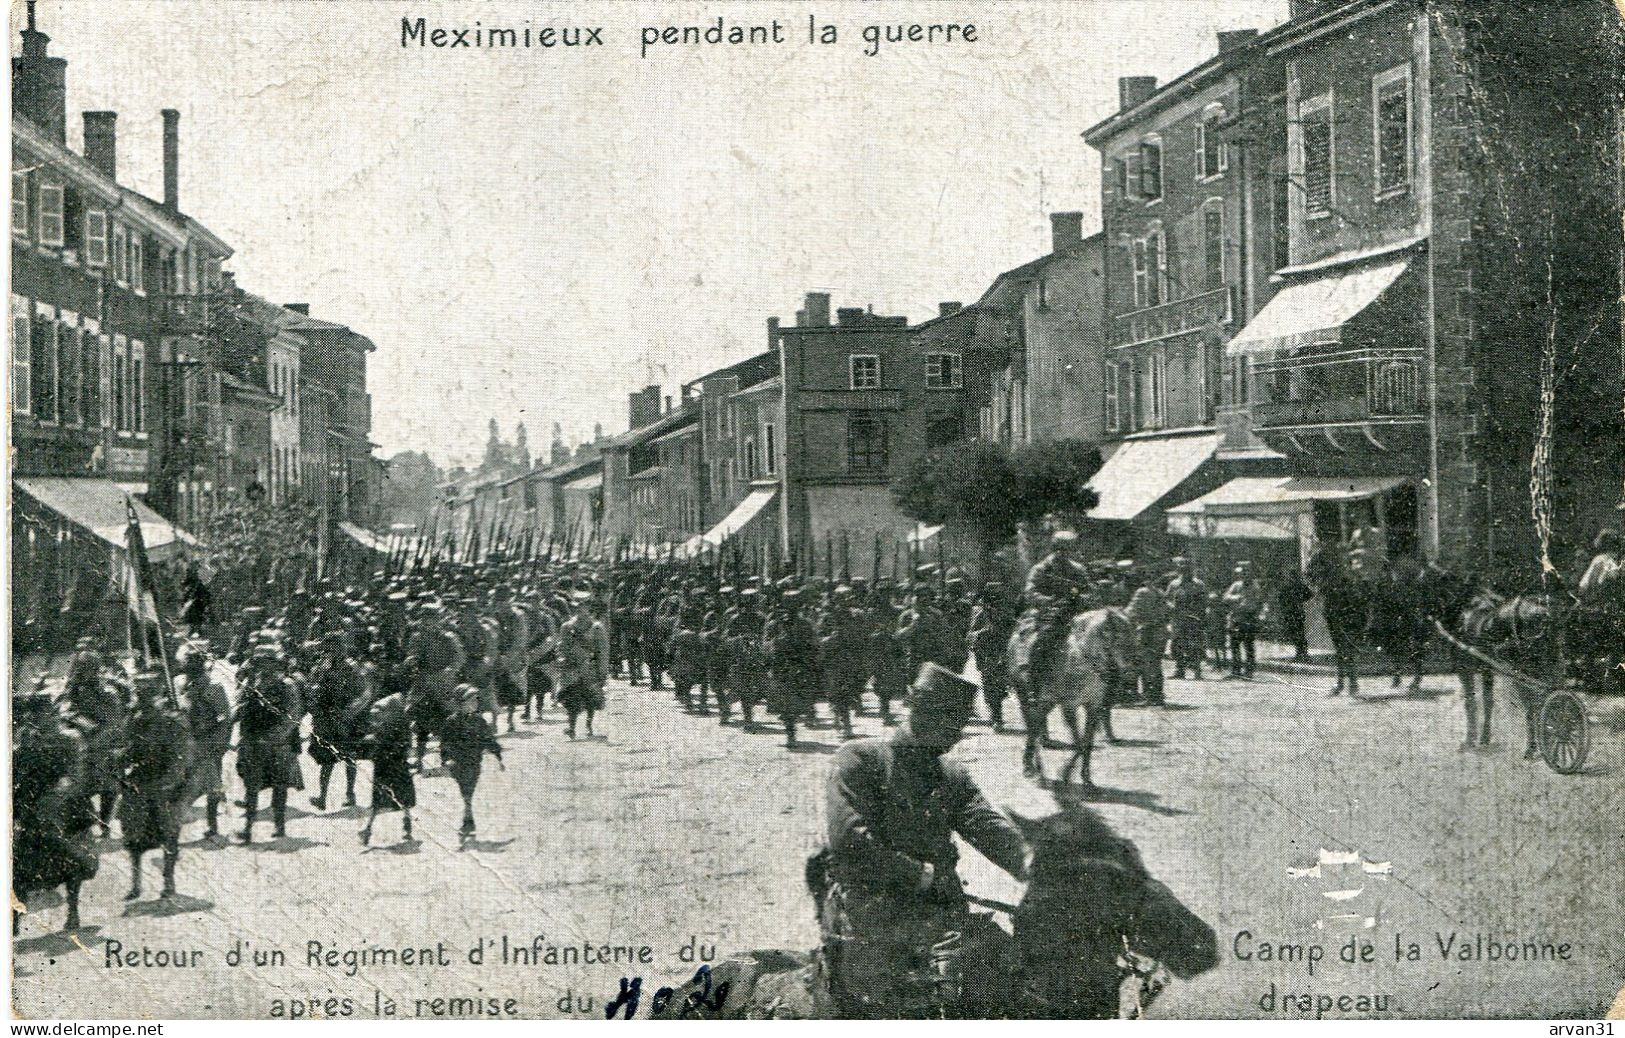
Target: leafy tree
<point>989,491</point>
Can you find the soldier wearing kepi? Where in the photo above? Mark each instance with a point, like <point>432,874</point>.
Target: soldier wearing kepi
<point>992,622</point>
<point>1187,605</point>
<point>268,715</point>
<point>893,909</point>
<point>464,742</point>
<point>208,714</point>
<point>1054,585</point>
<point>154,797</point>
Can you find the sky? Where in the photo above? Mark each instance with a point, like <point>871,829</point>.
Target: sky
<point>531,234</point>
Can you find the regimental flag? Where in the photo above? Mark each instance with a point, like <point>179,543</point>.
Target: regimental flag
<point>136,574</point>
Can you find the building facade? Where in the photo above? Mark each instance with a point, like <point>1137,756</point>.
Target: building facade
<point>1442,189</point>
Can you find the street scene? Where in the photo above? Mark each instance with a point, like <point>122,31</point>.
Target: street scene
<point>668,605</point>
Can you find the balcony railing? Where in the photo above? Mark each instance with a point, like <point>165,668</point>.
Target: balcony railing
<point>1178,317</point>
<point>1310,412</point>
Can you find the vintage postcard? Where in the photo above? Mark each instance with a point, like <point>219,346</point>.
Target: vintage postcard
<point>531,510</point>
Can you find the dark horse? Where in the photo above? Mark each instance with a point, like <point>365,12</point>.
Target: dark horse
<point>1523,631</point>
<point>1095,937</point>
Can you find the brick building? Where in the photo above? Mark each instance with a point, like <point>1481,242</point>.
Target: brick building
<point>1435,190</point>
<point>863,396</point>
<point>1175,288</point>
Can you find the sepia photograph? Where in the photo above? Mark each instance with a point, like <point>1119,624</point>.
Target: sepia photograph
<point>817,509</point>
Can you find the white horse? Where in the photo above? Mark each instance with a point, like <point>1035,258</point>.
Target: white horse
<point>1097,653</point>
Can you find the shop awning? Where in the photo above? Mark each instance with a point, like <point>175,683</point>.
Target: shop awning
<point>1259,496</point>
<point>98,507</point>
<point>1314,311</point>
<point>1141,472</point>
<point>743,513</point>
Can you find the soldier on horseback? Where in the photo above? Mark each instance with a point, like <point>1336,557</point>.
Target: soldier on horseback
<point>1055,585</point>
<point>893,912</point>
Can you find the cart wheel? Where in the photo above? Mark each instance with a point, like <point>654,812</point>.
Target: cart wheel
<point>1565,737</point>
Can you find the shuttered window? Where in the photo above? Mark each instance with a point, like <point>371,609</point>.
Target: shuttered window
<point>1319,187</point>
<point>95,237</point>
<point>50,214</point>
<point>1213,247</point>
<point>1391,117</point>
<point>20,357</point>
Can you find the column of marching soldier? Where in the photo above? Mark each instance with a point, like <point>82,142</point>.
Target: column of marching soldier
<point>452,653</point>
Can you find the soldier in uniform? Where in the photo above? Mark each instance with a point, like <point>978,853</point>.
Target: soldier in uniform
<point>389,745</point>
<point>790,645</point>
<point>154,793</point>
<point>268,715</point>
<point>688,656</point>
<point>992,622</point>
<point>650,635</point>
<point>1148,613</point>
<point>434,661</point>
<point>208,715</point>
<point>339,700</point>
<point>888,663</point>
<point>893,908</point>
<point>623,630</point>
<point>1187,606</point>
<point>743,639</point>
<point>1244,601</point>
<point>512,666</point>
<point>583,664</point>
<point>1054,586</point>
<point>844,641</point>
<point>96,705</point>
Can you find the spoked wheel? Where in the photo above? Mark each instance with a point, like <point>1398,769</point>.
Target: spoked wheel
<point>1565,735</point>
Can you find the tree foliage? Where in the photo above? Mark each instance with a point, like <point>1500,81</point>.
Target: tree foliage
<point>990,490</point>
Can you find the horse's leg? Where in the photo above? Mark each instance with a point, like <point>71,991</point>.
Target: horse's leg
<point>72,922</point>
<point>172,853</point>
<point>1489,707</point>
<point>1083,741</point>
<point>1470,702</point>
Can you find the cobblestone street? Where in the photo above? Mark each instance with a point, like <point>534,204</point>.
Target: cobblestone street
<point>697,833</point>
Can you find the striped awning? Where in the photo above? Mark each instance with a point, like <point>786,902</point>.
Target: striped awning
<point>1314,312</point>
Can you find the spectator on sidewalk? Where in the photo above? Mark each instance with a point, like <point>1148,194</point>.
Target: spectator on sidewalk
<point>1244,602</point>
<point>1149,616</point>
<point>1290,599</point>
<point>1187,604</point>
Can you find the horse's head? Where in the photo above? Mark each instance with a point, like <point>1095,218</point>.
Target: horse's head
<point>1118,631</point>
<point>1089,901</point>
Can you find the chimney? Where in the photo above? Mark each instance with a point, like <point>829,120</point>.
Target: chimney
<point>298,308</point>
<point>1066,230</point>
<point>1229,41</point>
<point>1131,90</point>
<point>668,404</point>
<point>101,142</point>
<point>944,309</point>
<point>172,159</point>
<point>772,333</point>
<point>39,84</point>
<point>849,316</point>
<point>817,310</point>
<point>642,407</point>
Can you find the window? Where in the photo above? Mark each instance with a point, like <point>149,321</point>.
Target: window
<point>1142,288</point>
<point>121,255</point>
<point>770,449</point>
<point>95,237</point>
<point>750,457</point>
<point>121,384</point>
<point>943,371</point>
<point>1157,386</point>
<point>138,387</point>
<point>50,214</point>
<point>90,366</point>
<point>1120,177</point>
<point>104,387</point>
<point>1156,253</point>
<point>1212,158</point>
<point>71,374</point>
<point>42,365</point>
<point>20,361</point>
<point>866,445</point>
<point>1151,170</point>
<point>1281,221</point>
<point>19,204</point>
<point>1391,120</point>
<point>1114,417</point>
<point>1319,186</point>
<point>138,278</point>
<point>865,371</point>
<point>1213,247</point>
